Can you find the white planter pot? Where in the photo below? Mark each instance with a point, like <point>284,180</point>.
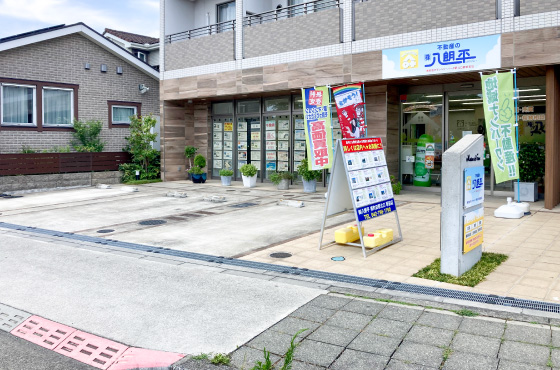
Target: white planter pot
<point>309,186</point>
<point>528,191</point>
<point>284,184</point>
<point>226,180</point>
<point>249,182</point>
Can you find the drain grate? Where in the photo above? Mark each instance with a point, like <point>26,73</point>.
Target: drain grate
<point>138,358</point>
<point>10,317</point>
<point>243,205</point>
<point>152,222</point>
<point>105,231</point>
<point>43,332</point>
<point>91,349</point>
<point>280,255</point>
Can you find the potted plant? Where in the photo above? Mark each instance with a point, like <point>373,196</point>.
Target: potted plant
<point>308,176</point>
<point>190,152</point>
<point>249,175</point>
<point>282,179</point>
<point>197,174</point>
<point>531,171</point>
<point>226,175</point>
<point>396,185</point>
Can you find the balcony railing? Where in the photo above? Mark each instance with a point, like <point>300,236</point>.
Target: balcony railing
<point>290,11</point>
<point>202,31</point>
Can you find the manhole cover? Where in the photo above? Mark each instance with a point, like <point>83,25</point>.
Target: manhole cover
<point>152,222</point>
<point>338,258</point>
<point>280,255</point>
<point>243,205</point>
<point>105,231</point>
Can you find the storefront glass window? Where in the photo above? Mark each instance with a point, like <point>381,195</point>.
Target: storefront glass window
<point>277,104</point>
<point>249,143</point>
<point>222,144</point>
<point>222,108</point>
<point>249,106</point>
<point>277,143</point>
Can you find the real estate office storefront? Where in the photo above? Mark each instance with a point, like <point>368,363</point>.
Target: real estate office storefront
<point>262,124</point>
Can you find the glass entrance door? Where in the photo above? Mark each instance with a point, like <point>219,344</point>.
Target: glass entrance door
<point>249,143</point>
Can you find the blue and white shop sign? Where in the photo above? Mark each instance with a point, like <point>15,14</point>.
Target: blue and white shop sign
<point>474,186</point>
<point>453,56</point>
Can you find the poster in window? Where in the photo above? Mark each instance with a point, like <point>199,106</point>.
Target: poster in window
<point>297,164</point>
<point>255,156</point>
<point>218,145</point>
<point>283,135</point>
<point>256,126</point>
<point>256,164</point>
<point>299,156</point>
<point>217,126</point>
<point>300,135</point>
<point>228,126</point>
<point>271,135</point>
<point>217,154</point>
<point>241,163</point>
<point>283,145</point>
<point>242,155</point>
<point>255,145</point>
<point>335,123</point>
<point>228,136</point>
<point>270,156</point>
<point>228,145</point>
<point>299,145</point>
<point>217,163</point>
<point>228,154</point>
<point>242,136</point>
<point>270,125</point>
<point>283,124</point>
<point>282,156</point>
<point>228,164</point>
<point>271,145</point>
<point>299,124</point>
<point>271,166</point>
<point>242,145</point>
<point>241,126</point>
<point>217,136</point>
<point>282,166</point>
<point>255,136</point>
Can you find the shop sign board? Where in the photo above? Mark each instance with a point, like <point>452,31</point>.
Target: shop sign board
<point>430,156</point>
<point>473,229</point>
<point>318,133</point>
<point>450,56</point>
<point>474,186</point>
<point>499,113</point>
<point>228,126</point>
<point>350,109</point>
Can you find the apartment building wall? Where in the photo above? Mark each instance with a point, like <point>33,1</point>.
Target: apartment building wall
<point>200,51</point>
<point>538,6</point>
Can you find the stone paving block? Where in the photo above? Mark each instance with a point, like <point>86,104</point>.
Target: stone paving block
<point>419,354</point>
<point>555,357</point>
<point>359,361</point>
<point>274,342</point>
<point>317,353</point>
<point>313,313</point>
<point>364,307</point>
<point>524,352</point>
<point>373,343</point>
<point>291,325</point>
<point>400,365</point>
<point>298,365</point>
<point>334,335</point>
<point>482,327</point>
<point>400,313</point>
<point>330,301</point>
<point>555,337</point>
<point>246,357</point>
<point>440,320</point>
<point>511,365</point>
<point>349,320</point>
<point>391,328</point>
<point>528,333</point>
<point>469,361</point>
<point>476,344</point>
<point>430,336</point>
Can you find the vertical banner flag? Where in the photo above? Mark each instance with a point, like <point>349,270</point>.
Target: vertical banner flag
<point>350,108</point>
<point>499,112</point>
<point>318,130</point>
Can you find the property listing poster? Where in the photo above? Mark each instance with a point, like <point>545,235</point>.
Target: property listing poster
<point>318,131</point>
<point>351,110</point>
<point>368,177</point>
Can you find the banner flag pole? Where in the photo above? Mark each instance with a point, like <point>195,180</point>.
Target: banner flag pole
<point>516,98</point>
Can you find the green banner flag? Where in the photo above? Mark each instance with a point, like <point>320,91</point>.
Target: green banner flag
<point>499,112</point>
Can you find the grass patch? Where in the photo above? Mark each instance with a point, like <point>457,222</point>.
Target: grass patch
<point>220,359</point>
<point>465,312</point>
<point>140,182</point>
<point>488,262</point>
<point>202,356</point>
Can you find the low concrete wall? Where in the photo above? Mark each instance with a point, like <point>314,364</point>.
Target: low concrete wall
<point>60,180</point>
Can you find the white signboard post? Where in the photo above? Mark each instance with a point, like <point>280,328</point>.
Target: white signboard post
<point>360,183</point>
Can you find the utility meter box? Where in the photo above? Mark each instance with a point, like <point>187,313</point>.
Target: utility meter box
<point>462,205</point>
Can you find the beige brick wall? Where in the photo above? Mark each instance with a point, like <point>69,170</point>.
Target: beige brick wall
<point>200,51</point>
<point>61,60</point>
<point>538,6</point>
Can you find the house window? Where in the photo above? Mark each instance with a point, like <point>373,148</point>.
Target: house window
<point>226,12</point>
<point>120,113</point>
<point>18,105</point>
<point>141,56</point>
<point>58,106</point>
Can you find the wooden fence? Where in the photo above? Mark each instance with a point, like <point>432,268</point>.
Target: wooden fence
<point>45,163</point>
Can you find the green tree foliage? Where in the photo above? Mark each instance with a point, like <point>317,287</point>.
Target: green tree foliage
<point>86,136</point>
<point>144,157</point>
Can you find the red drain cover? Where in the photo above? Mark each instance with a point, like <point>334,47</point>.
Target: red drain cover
<point>91,349</point>
<point>43,332</point>
<point>138,358</point>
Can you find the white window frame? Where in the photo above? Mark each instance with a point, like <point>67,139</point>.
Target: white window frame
<point>45,124</point>
<point>113,122</point>
<point>34,124</point>
<point>142,56</point>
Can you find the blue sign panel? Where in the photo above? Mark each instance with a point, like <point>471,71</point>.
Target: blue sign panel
<point>474,186</point>
<point>376,210</point>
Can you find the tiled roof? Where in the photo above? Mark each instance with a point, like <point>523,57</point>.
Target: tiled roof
<point>132,37</point>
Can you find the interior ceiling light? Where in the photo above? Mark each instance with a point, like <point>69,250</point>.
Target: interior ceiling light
<point>476,99</point>
<point>460,110</point>
<point>532,96</point>
<point>419,111</point>
<point>532,100</point>
<point>418,102</point>
<point>473,103</point>
<point>434,96</point>
<point>521,90</point>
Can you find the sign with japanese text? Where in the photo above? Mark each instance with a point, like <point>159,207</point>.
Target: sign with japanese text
<point>370,183</point>
<point>350,108</point>
<point>318,133</point>
<point>228,126</point>
<point>443,57</point>
<point>499,112</point>
<point>430,156</point>
<point>474,186</point>
<point>473,229</point>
